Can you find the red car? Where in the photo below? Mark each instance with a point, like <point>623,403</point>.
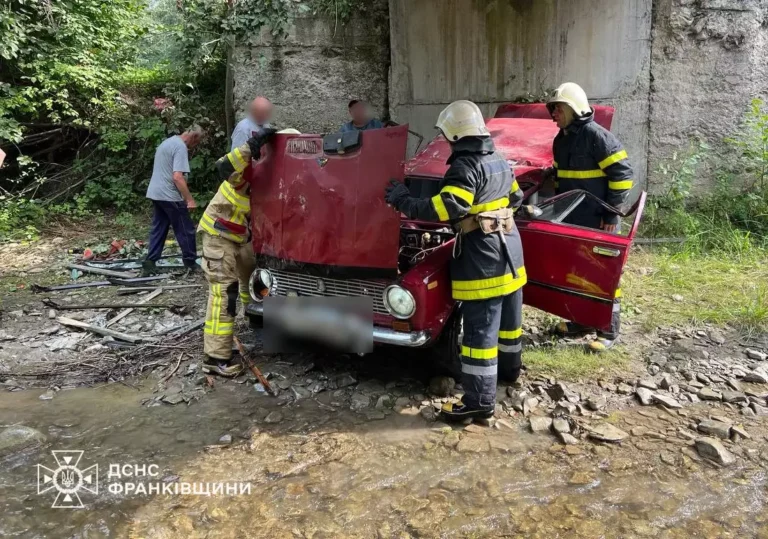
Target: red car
<point>321,227</point>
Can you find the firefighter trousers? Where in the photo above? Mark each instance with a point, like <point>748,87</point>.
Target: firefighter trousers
<point>491,347</point>
<point>227,266</point>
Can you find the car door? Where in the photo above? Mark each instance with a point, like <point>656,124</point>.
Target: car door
<point>574,272</point>
<point>312,207</point>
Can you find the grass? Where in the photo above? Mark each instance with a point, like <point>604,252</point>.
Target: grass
<point>678,289</point>
<point>573,362</point>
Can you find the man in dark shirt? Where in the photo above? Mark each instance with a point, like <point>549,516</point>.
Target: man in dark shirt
<point>362,118</point>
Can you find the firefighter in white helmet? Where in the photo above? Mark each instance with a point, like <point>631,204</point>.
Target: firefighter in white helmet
<point>477,196</point>
<point>587,156</point>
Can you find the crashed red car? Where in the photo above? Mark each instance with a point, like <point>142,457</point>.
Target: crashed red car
<point>321,227</point>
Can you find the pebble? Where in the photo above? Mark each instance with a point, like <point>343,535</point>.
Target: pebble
<point>644,395</point>
<point>678,298</point>
<point>344,380</point>
<point>226,439</point>
<point>625,389</point>
<point>596,403</point>
<point>529,405</point>
<point>607,385</point>
<point>738,429</point>
<point>757,355</point>
<point>428,413</point>
<point>666,400</point>
<point>607,433</point>
<point>51,314</point>
<point>360,401</point>
<point>654,370</point>
<point>48,395</point>
<point>735,385</point>
<point>715,428</point>
<point>666,381</point>
<point>567,439</point>
<point>273,417</point>
<point>716,337</point>
<point>707,394</point>
<point>703,378</point>
<point>639,431</point>
<point>383,402</point>
<point>540,424</point>
<point>561,425</point>
<point>712,449</point>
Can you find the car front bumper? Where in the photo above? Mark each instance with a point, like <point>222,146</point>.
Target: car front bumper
<point>381,335</point>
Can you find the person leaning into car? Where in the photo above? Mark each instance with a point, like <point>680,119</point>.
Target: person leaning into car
<point>587,156</point>
<point>475,197</point>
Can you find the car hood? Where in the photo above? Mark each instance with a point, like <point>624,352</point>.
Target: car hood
<point>310,207</point>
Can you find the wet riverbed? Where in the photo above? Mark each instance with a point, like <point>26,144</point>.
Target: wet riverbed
<point>317,472</point>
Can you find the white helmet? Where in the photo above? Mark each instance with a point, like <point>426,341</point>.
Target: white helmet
<point>462,119</point>
<point>572,95</point>
<point>289,131</point>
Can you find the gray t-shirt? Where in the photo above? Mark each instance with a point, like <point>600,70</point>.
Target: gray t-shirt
<point>244,130</point>
<point>171,156</point>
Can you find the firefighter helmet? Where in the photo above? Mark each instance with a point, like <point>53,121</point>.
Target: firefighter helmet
<point>462,119</point>
<point>572,95</point>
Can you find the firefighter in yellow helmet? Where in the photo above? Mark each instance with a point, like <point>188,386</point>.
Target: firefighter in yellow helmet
<point>587,156</point>
<point>477,196</point>
<point>227,254</point>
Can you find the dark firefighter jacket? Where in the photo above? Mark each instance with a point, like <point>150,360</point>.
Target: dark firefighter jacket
<point>478,180</point>
<point>587,156</point>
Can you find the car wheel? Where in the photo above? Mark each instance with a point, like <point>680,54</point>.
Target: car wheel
<point>446,353</point>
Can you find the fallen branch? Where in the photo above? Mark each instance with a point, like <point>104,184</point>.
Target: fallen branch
<point>252,366</point>
<point>99,271</point>
<point>122,314</point>
<point>168,376</point>
<point>70,322</point>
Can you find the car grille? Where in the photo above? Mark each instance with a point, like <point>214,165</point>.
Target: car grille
<point>307,285</point>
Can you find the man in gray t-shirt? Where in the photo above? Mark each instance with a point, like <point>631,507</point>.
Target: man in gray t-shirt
<point>171,200</point>
<point>259,115</point>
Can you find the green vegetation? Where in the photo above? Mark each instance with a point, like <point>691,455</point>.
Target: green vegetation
<point>573,362</point>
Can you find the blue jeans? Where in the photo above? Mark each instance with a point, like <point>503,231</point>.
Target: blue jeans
<point>172,214</point>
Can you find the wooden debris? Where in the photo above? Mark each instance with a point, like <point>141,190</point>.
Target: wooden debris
<point>100,271</point>
<point>251,365</point>
<point>137,289</point>
<point>70,322</point>
<point>125,312</point>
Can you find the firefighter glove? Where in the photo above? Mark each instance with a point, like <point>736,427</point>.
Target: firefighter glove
<point>396,193</point>
<point>259,138</point>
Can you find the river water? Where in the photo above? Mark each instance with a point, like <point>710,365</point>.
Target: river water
<point>317,473</point>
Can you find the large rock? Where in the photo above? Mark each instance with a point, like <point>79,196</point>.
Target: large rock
<point>708,394</point>
<point>734,396</point>
<point>17,438</point>
<point>442,386</point>
<point>644,395</point>
<point>757,377</point>
<point>650,384</point>
<point>757,355</point>
<point>666,381</point>
<point>712,449</point>
<point>540,424</point>
<point>561,425</point>
<point>666,400</point>
<point>605,432</point>
<point>715,428</point>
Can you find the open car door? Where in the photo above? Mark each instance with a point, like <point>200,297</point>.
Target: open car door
<point>574,272</point>
<point>318,202</point>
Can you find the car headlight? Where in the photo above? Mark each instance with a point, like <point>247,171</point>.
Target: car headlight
<point>260,284</point>
<point>399,302</point>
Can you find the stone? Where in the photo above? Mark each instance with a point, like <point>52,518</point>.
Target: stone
<point>695,384</point>
<point>716,337</point>
<point>51,314</point>
<point>739,430</point>
<point>383,402</point>
<point>226,439</point>
<point>529,405</point>
<point>644,395</point>
<point>360,401</point>
<point>757,377</point>
<point>504,423</point>
<point>715,428</point>
<point>678,298</point>
<point>639,431</point>
<point>649,384</point>
<point>757,355</point>
<point>596,403</point>
<point>561,425</point>
<point>560,392</point>
<point>708,394</point>
<point>567,439</point>
<point>758,410</point>
<point>734,396</point>
<point>668,457</point>
<point>474,428</point>
<point>18,438</point>
<point>428,413</point>
<point>608,386</point>
<point>666,381</point>
<point>540,424</point>
<point>580,478</point>
<point>606,432</point>
<point>625,389</point>
<point>564,408</point>
<point>300,393</point>
<point>375,415</point>
<point>703,378</point>
<point>48,395</point>
<point>451,439</point>
<point>653,370</point>
<point>666,400</point>
<point>442,386</point>
<point>343,380</point>
<point>713,449</point>
<point>473,444</point>
<point>273,417</point>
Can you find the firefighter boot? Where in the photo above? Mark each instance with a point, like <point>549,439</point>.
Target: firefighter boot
<point>458,411</point>
<point>228,368</point>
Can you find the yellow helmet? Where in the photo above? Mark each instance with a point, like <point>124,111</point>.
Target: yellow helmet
<point>462,119</point>
<point>572,95</point>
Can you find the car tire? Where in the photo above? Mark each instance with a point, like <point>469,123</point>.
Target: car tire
<point>256,322</point>
<point>446,354</point>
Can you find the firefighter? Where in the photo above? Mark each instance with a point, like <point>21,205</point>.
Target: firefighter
<point>477,196</point>
<point>227,254</point>
<point>587,156</point>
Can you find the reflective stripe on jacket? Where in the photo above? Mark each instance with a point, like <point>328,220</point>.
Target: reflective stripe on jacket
<point>228,213</point>
<point>478,180</point>
<point>587,156</point>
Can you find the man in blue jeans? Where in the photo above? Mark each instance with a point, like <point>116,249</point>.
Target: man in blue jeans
<point>171,200</point>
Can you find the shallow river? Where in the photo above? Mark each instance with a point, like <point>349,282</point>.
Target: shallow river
<point>320,473</point>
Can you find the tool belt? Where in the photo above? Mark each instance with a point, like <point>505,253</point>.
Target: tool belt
<point>488,221</point>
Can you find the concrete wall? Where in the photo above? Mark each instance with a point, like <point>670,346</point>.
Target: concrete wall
<point>312,75</point>
<point>493,51</point>
<point>709,60</point>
